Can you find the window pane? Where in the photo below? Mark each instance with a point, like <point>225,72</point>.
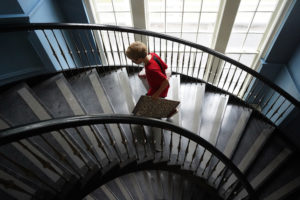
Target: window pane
<point>156,5</point>
<point>103,5</point>
<point>124,19</point>
<point>174,5</point>
<point>260,22</point>
<point>211,5</point>
<point>242,21</point>
<point>207,22</point>
<point>247,59</point>
<point>121,5</point>
<point>174,22</point>
<point>192,5</point>
<point>190,22</point>
<point>107,18</point>
<point>236,41</point>
<point>204,39</point>
<point>189,36</point>
<point>252,41</point>
<point>157,22</point>
<point>267,5</point>
<point>248,5</point>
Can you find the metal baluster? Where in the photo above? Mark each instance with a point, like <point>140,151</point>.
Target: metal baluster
<point>249,83</point>
<point>194,65</point>
<point>206,166</point>
<point>19,177</point>
<point>226,77</point>
<point>111,49</point>
<point>99,142</point>
<point>188,67</point>
<point>179,149</point>
<point>61,156</point>
<point>134,141</point>
<point>28,172</point>
<point>213,170</point>
<point>124,52</point>
<point>282,113</point>
<point>237,81</point>
<point>166,52</point>
<point>276,111</point>
<point>61,50</point>
<point>267,102</point>
<point>10,184</point>
<point>171,146</point>
<point>162,143</point>
<point>178,54</point>
<point>211,68</point>
<point>221,174</point>
<point>148,45</point>
<point>231,187</point>
<point>172,56</point>
<point>145,141</point>
<point>88,147</point>
<point>229,86</point>
<point>124,140</point>
<point>160,47</point>
<point>258,93</point>
<point>117,48</point>
<point>200,64</point>
<point>104,48</point>
<point>201,159</point>
<point>205,68</point>
<point>43,162</point>
<point>216,71</point>
<point>84,50</point>
<point>75,151</point>
<point>220,77</point>
<point>92,49</point>
<point>51,158</point>
<point>98,50</point>
<point>53,51</point>
<point>251,91</point>
<point>186,151</point>
<point>77,49</point>
<point>129,44</point>
<point>194,155</point>
<point>272,105</point>
<point>69,50</point>
<point>224,179</point>
<point>183,58</point>
<point>154,44</point>
<point>112,141</point>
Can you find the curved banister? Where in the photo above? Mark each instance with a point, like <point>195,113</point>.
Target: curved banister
<point>267,95</point>
<point>37,26</point>
<point>38,128</point>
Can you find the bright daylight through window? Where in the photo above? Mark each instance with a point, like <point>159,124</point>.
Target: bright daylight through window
<point>197,21</point>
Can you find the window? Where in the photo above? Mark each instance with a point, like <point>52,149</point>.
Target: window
<point>192,20</point>
<point>112,12</point>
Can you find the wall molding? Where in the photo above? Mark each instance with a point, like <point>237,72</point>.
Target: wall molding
<point>20,74</point>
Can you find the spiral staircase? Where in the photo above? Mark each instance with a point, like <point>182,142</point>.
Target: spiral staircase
<point>71,135</point>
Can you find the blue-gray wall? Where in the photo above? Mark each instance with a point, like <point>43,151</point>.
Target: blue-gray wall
<point>282,66</point>
<point>26,54</point>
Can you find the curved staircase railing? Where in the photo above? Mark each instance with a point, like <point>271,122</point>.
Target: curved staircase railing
<point>88,45</point>
<point>27,134</point>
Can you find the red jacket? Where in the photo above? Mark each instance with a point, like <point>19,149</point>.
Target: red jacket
<point>155,76</point>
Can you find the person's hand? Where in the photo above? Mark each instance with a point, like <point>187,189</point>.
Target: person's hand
<point>155,96</point>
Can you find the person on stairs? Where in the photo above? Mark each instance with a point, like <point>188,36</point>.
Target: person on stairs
<point>155,70</point>
<point>155,73</point>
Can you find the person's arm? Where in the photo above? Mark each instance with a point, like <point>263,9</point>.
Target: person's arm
<point>162,87</point>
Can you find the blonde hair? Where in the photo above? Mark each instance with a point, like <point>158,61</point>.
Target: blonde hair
<point>136,50</point>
